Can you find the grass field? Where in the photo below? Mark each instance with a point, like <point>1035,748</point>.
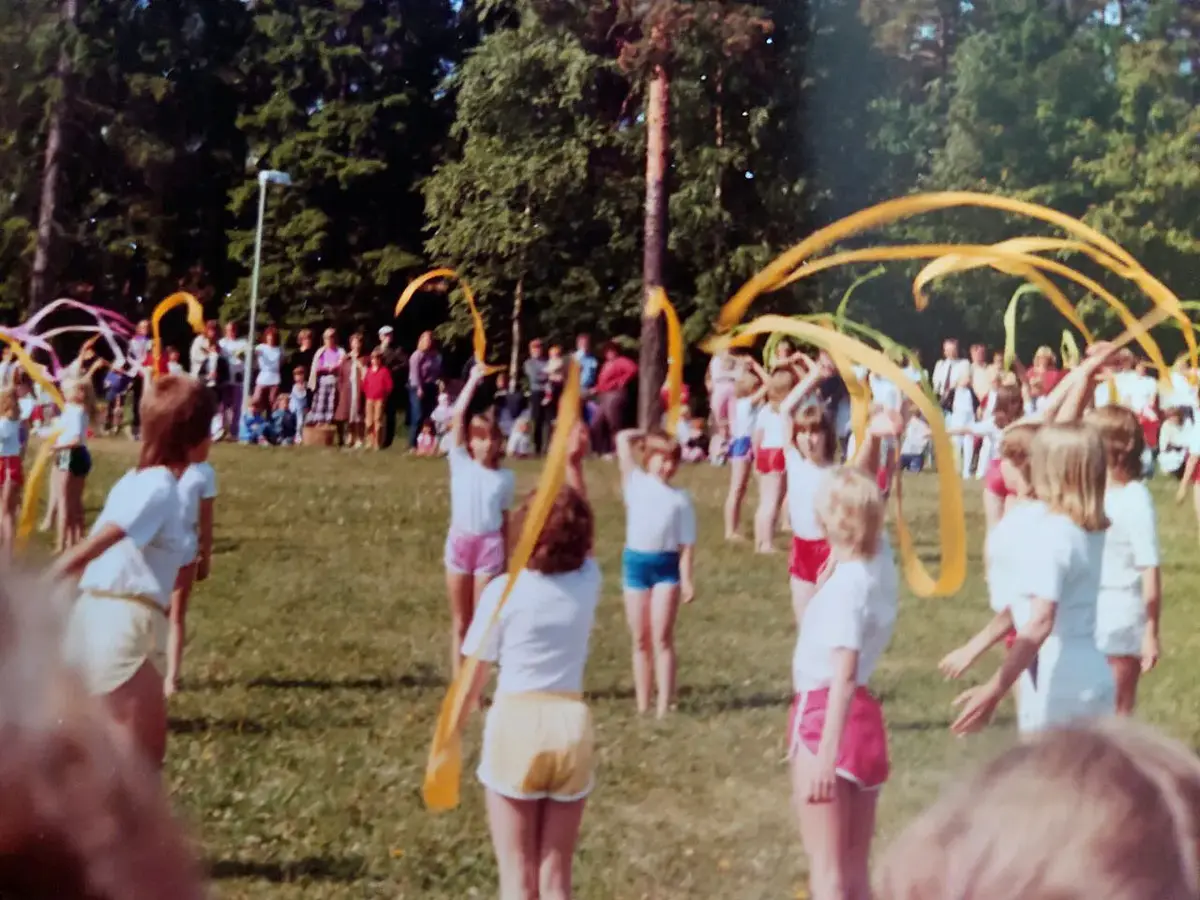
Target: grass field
<point>318,659</point>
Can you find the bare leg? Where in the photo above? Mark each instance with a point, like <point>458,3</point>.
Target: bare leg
<point>8,503</point>
<point>461,589</point>
<point>824,831</point>
<point>176,637</point>
<point>856,856</point>
<point>139,710</point>
<point>1196,500</point>
<point>560,833</point>
<point>664,607</point>
<point>63,512</point>
<point>516,837</point>
<point>769,497</point>
<point>1126,672</point>
<point>802,592</point>
<point>637,613</point>
<point>75,487</point>
<point>56,479</point>
<point>739,477</point>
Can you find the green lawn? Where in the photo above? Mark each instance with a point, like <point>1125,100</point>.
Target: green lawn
<point>317,664</point>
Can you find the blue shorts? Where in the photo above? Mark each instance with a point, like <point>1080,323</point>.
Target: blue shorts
<point>643,571</point>
<point>740,448</point>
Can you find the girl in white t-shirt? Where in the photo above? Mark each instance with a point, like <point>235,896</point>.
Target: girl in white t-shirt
<point>1127,613</point>
<point>481,494</point>
<point>73,462</point>
<point>537,762</point>
<point>198,487</point>
<point>268,357</point>
<point>127,566</point>
<point>12,475</point>
<point>837,739</point>
<point>1190,476</point>
<point>751,389</point>
<point>658,562</point>
<point>769,442</point>
<point>1054,592</point>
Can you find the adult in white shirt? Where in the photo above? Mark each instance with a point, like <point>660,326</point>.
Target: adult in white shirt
<point>658,562</point>
<point>117,634</point>
<point>537,762</point>
<point>268,357</point>
<point>952,384</point>
<point>233,351</point>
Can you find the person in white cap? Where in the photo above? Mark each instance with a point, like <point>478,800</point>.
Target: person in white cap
<point>395,360</point>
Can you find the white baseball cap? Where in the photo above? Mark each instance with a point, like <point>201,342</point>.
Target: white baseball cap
<point>386,329</point>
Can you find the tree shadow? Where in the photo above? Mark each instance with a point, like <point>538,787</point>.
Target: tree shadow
<point>705,699</point>
<point>317,868</point>
<point>408,681</point>
<point>208,725</point>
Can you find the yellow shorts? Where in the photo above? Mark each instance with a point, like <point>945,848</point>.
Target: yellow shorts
<point>108,639</point>
<point>538,747</point>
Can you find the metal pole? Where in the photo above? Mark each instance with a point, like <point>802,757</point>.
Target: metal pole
<point>258,241</point>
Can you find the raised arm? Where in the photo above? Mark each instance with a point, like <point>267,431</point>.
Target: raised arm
<point>458,416</point>
<point>806,386</point>
<point>625,457</point>
<point>1070,396</point>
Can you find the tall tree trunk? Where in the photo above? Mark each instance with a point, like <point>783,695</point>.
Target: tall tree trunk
<point>514,360</point>
<point>39,283</point>
<point>653,365</point>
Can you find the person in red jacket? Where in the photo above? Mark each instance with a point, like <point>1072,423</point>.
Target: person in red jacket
<point>377,387</point>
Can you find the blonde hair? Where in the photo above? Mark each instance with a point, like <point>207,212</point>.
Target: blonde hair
<point>811,417</point>
<point>658,444</point>
<point>1123,439</point>
<point>1016,446</point>
<point>9,408</point>
<point>1045,353</point>
<point>779,384</point>
<point>849,509</point>
<point>1103,811</point>
<point>1069,473</point>
<point>77,390</point>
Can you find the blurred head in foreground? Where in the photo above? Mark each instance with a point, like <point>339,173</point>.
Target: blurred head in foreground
<point>1107,811</point>
<point>81,816</point>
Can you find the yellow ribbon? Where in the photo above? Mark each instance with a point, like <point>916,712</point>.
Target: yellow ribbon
<point>1010,323</point>
<point>480,335</point>
<point>660,305</point>
<point>443,773</point>
<point>951,518</point>
<point>1069,350</point>
<point>195,315</point>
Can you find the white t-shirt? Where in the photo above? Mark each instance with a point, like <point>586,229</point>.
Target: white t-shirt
<point>744,415</point>
<point>804,481</point>
<point>72,426</point>
<point>26,405</point>
<point>234,351</point>
<point>198,482</point>
<point>1131,542</point>
<point>917,435</point>
<point>723,369</point>
<point>10,438</point>
<point>1180,393</point>
<point>266,362</point>
<point>771,423</point>
<point>949,374</point>
<point>541,638</point>
<point>479,496</point>
<point>1062,564</point>
<point>855,609</point>
<point>884,393</point>
<point>148,507</point>
<point>1005,552</point>
<point>658,518</point>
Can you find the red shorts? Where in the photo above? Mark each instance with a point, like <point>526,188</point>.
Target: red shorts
<point>1150,427</point>
<point>11,470</point>
<point>770,461</point>
<point>808,559</point>
<point>993,479</point>
<point>863,756</point>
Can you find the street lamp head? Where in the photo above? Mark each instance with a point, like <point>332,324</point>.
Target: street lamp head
<point>271,176</point>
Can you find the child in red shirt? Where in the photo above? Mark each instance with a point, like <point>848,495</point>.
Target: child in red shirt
<point>377,387</point>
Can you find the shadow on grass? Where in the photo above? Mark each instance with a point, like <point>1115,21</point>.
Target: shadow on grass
<point>316,868</point>
<point>422,678</point>
<point>713,698</point>
<point>207,725</point>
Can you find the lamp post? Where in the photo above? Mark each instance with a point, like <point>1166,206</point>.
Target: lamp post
<point>264,178</point>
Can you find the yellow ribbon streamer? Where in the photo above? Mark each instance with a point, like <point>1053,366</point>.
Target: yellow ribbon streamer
<point>1010,323</point>
<point>951,517</point>
<point>480,334</point>
<point>1069,350</point>
<point>443,773</point>
<point>195,315</point>
<point>660,305</point>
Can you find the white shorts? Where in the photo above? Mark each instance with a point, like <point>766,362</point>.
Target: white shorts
<point>109,638</point>
<point>1120,622</point>
<point>538,747</point>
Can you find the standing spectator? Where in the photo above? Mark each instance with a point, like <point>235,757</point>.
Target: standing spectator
<point>235,350</point>
<point>198,353</point>
<point>212,369</point>
<point>589,366</point>
<point>350,407</point>
<point>612,395</point>
<point>323,379</point>
<point>377,389</point>
<point>298,400</point>
<point>537,378</point>
<point>1045,372</point>
<point>424,370</point>
<point>302,356</point>
<point>395,360</point>
<point>268,357</point>
<point>138,354</point>
<point>952,384</point>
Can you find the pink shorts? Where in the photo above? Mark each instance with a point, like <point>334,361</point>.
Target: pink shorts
<point>863,756</point>
<point>475,554</point>
<point>993,480</point>
<point>807,560</point>
<point>771,461</point>
<point>724,395</point>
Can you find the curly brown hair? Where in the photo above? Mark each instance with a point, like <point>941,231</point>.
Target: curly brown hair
<point>567,536</point>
